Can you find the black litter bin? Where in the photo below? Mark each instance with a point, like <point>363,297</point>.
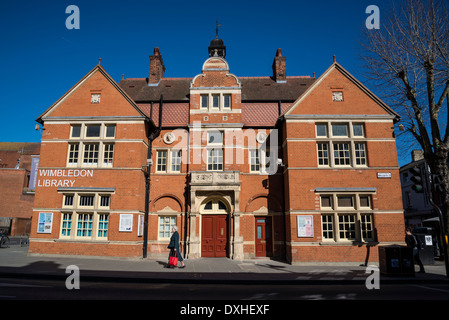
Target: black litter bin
<point>425,237</point>
<point>396,260</point>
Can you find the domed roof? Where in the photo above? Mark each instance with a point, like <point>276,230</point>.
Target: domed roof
<point>217,43</point>
<point>217,48</point>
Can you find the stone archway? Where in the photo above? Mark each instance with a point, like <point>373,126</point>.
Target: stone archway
<point>215,185</point>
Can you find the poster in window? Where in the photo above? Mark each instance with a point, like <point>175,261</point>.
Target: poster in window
<point>45,222</point>
<point>126,223</point>
<point>305,226</point>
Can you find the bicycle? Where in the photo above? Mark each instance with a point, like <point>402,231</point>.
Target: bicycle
<point>4,241</point>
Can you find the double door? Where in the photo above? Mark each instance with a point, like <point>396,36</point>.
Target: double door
<point>214,235</point>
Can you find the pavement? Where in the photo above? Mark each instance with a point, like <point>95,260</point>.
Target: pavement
<point>15,261</point>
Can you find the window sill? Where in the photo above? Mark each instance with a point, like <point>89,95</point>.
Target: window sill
<point>348,243</point>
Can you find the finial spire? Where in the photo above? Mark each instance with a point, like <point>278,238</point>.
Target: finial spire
<point>216,28</point>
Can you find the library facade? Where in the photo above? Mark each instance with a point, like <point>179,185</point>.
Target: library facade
<point>286,167</point>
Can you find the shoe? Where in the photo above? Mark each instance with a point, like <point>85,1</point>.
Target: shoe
<point>182,267</point>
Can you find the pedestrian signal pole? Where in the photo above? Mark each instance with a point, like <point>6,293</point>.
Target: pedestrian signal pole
<point>433,184</point>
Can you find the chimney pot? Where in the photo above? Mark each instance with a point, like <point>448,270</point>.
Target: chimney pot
<point>417,155</point>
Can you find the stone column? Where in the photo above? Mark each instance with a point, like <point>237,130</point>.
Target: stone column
<point>194,243</point>
<point>237,253</point>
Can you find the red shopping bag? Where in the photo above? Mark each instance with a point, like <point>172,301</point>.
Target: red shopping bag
<point>173,260</point>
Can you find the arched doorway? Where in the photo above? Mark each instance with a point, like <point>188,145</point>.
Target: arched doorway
<point>214,228</point>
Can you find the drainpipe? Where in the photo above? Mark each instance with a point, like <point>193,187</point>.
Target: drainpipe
<point>283,184</point>
<point>152,135</point>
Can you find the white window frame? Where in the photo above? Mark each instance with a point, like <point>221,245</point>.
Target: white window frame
<point>171,222</point>
<point>77,210</point>
<point>357,211</point>
<point>336,140</point>
<point>170,160</point>
<point>221,101</point>
<point>82,141</point>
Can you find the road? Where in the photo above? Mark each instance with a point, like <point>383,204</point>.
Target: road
<point>29,289</point>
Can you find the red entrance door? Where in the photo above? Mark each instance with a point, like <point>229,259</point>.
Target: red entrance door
<point>214,235</point>
<point>264,242</point>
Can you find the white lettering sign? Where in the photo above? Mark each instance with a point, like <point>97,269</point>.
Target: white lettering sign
<point>45,176</point>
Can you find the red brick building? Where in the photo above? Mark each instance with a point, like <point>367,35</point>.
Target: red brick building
<point>280,166</point>
<point>18,163</point>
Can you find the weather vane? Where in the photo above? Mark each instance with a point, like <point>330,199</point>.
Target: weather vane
<point>216,29</point>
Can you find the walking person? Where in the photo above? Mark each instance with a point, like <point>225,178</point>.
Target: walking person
<point>413,242</point>
<point>174,247</point>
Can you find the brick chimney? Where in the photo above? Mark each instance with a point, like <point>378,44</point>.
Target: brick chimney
<point>157,68</point>
<point>417,155</point>
<point>279,68</point>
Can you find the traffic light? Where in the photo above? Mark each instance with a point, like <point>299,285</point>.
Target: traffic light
<point>417,180</point>
<point>437,182</point>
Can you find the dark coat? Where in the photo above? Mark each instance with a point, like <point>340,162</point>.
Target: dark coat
<point>174,245</point>
<point>174,241</point>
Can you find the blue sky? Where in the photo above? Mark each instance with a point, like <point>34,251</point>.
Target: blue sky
<point>41,59</point>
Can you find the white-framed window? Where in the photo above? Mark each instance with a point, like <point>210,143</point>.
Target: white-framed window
<point>90,156</point>
<point>323,154</point>
<point>68,200</point>
<point>204,101</point>
<point>214,137</point>
<point>227,101</point>
<point>341,144</point>
<point>85,216</point>
<point>215,159</point>
<point>86,200</point>
<point>161,164</point>
<point>214,206</point>
<point>91,145</point>
<point>105,201</point>
<point>103,225</point>
<point>168,161</point>
<point>75,131</point>
<point>84,225</point>
<point>260,160</point>
<point>215,150</point>
<point>342,154</point>
<point>346,217</point>
<point>165,225</point>
<point>108,154</point>
<point>109,132</point>
<point>254,160</point>
<point>73,154</point>
<point>66,225</point>
<point>215,101</point>
<point>175,159</point>
<point>92,131</point>
<point>360,153</point>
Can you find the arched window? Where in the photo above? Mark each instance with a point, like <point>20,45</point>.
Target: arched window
<point>214,206</point>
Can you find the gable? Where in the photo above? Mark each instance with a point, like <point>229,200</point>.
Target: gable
<point>77,101</point>
<point>356,98</point>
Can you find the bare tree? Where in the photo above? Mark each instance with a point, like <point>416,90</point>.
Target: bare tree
<point>408,60</point>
